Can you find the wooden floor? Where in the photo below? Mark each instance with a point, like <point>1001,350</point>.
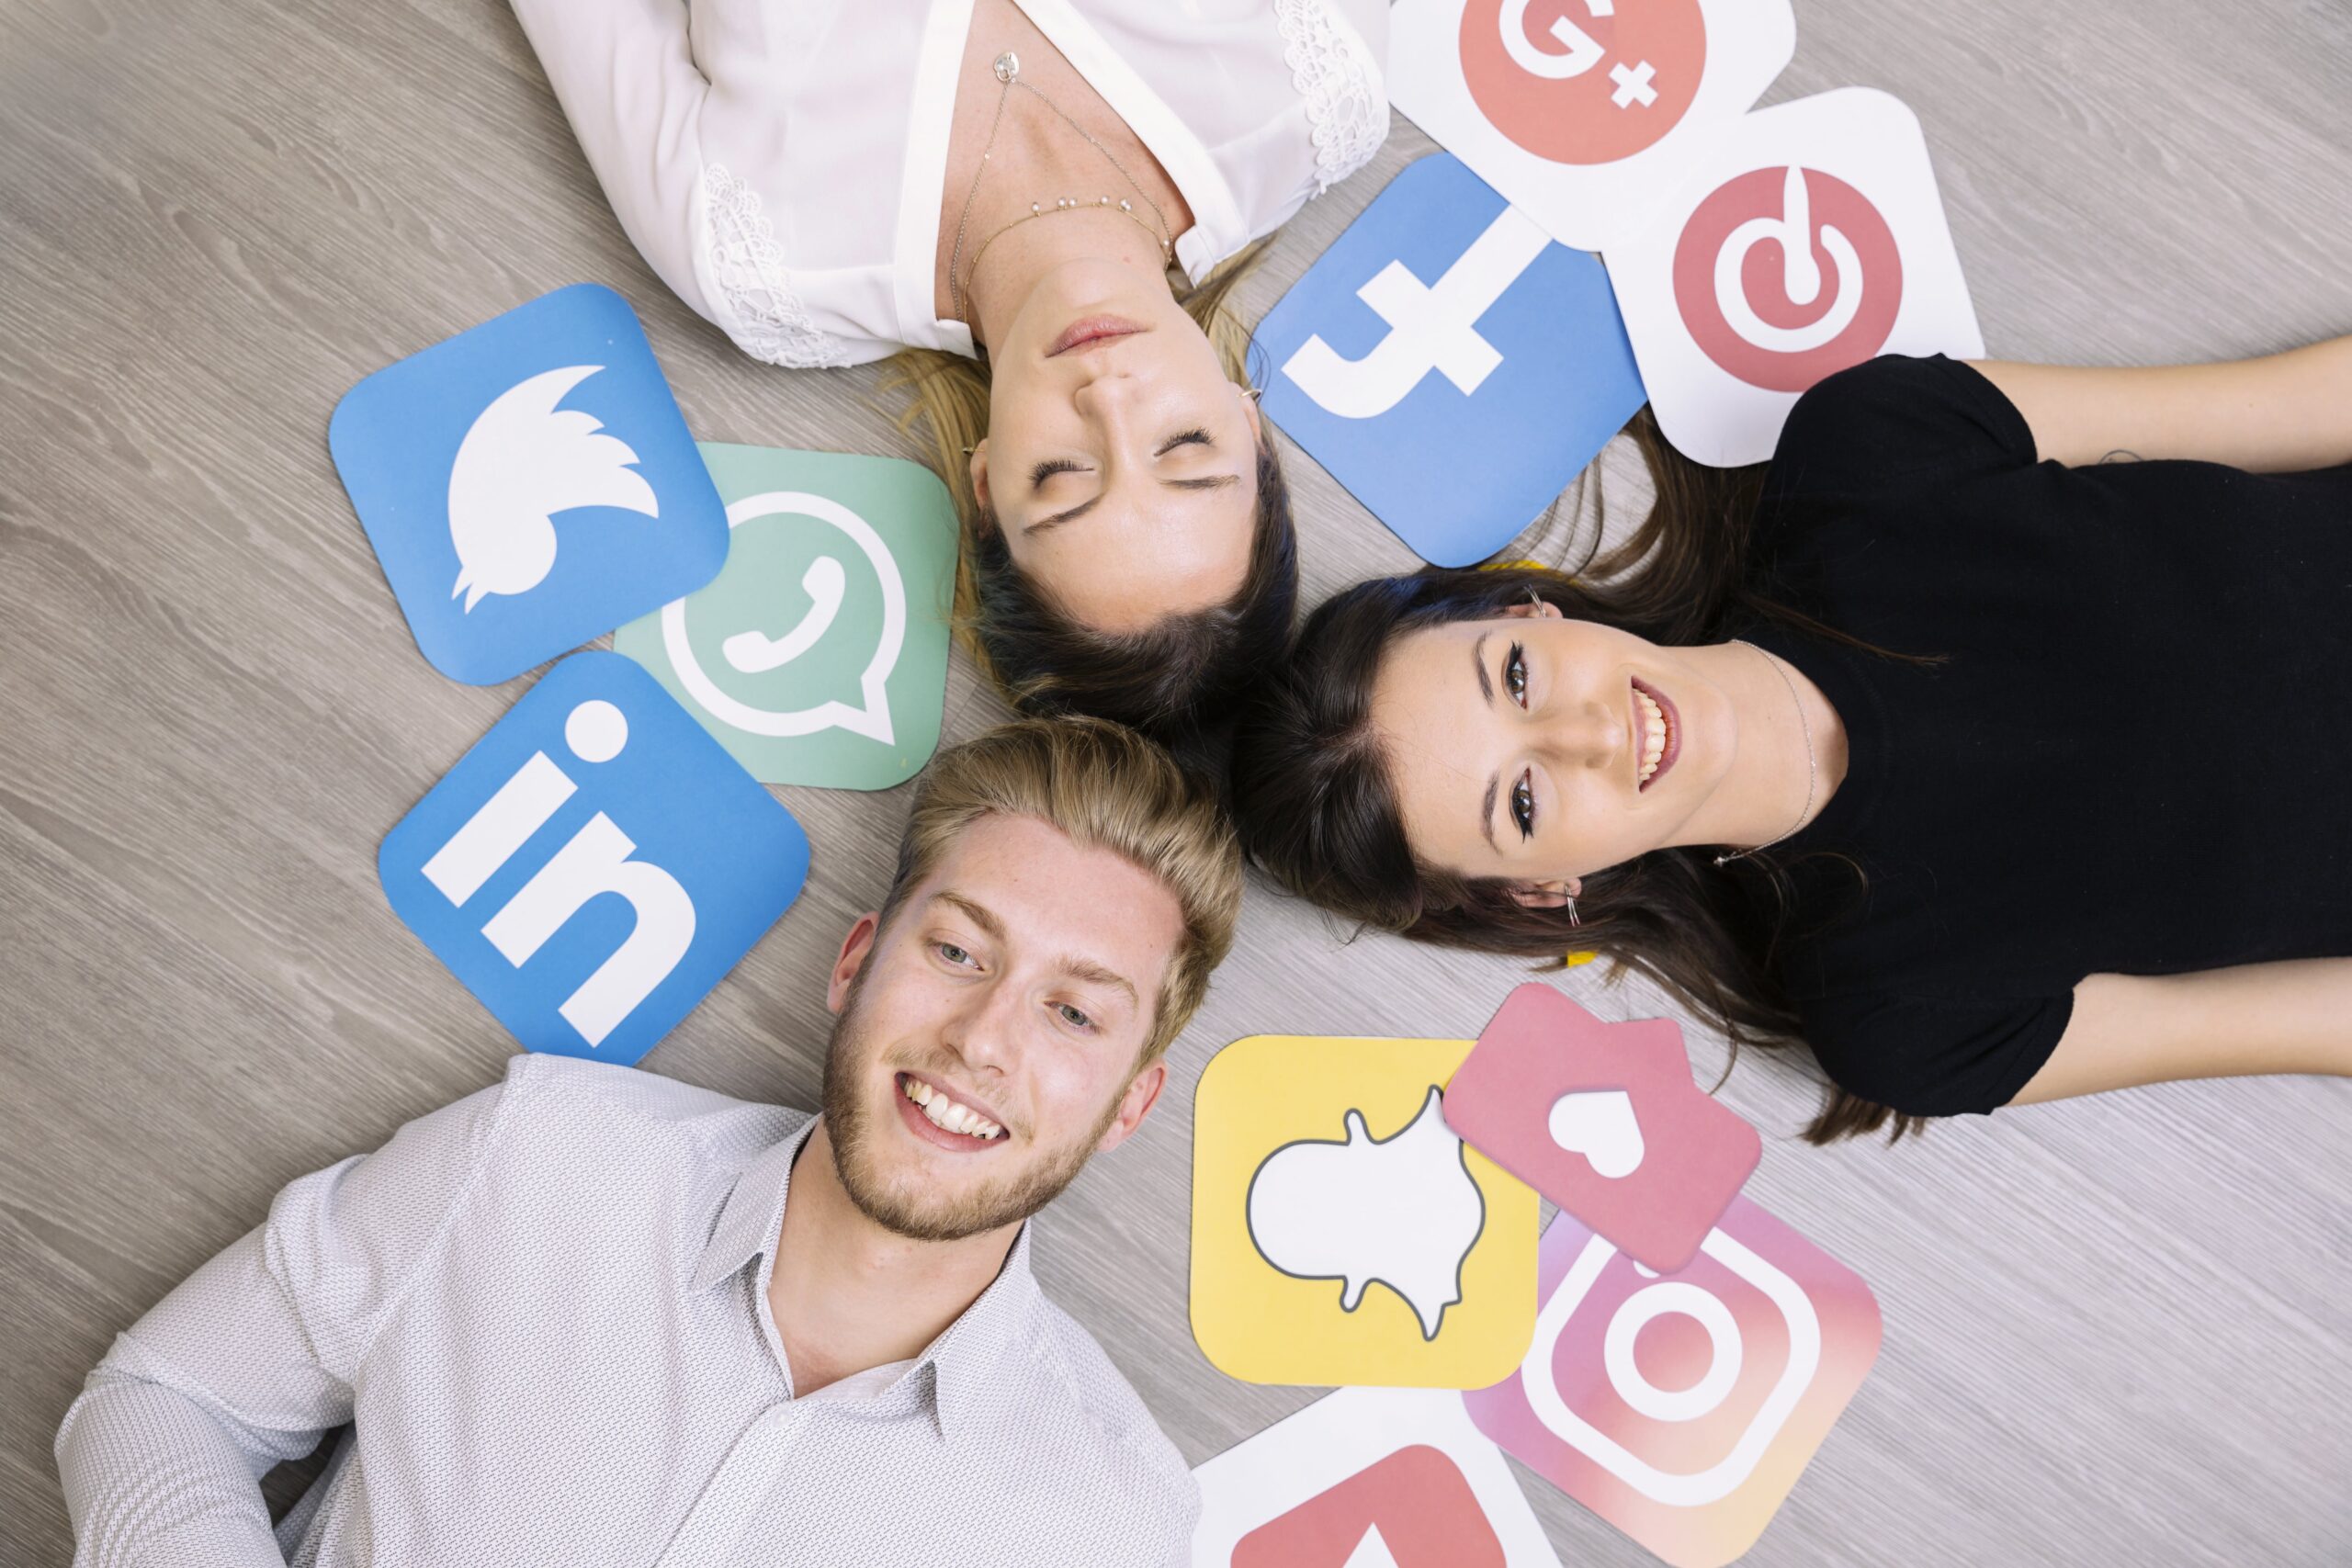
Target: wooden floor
<point>2116,1331</point>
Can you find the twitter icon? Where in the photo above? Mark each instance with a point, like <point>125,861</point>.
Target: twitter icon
<point>528,484</point>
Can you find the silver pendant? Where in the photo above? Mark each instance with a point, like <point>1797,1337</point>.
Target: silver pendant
<point>1007,67</point>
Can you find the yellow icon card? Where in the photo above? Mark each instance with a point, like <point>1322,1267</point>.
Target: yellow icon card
<point>1341,1233</point>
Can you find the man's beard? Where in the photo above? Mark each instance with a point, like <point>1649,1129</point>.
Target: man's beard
<point>906,1206</point>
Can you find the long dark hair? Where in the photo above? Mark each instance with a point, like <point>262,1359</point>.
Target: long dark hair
<point>1312,797</point>
<point>1177,680</point>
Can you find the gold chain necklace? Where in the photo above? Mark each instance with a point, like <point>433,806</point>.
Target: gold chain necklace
<point>1008,71</point>
<point>1811,764</point>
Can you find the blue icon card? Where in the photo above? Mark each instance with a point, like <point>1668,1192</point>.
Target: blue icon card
<point>528,484</point>
<point>1449,364</point>
<point>595,865</point>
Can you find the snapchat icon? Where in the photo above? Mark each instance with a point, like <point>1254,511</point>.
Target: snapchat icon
<point>1341,1233</point>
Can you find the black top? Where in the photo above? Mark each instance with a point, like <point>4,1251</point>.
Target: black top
<point>2133,758</point>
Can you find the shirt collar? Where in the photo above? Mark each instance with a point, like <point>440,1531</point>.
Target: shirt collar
<point>966,1357</point>
<point>750,1219</point>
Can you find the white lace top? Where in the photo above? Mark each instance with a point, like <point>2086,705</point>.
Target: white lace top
<point>780,164</point>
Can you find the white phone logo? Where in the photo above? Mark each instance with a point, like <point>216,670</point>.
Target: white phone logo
<point>1800,274</point>
<point>752,652</point>
<point>1585,52</point>
<point>756,653</point>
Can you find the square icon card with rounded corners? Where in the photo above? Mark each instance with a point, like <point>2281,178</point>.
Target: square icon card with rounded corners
<point>1341,1233</point>
<point>1449,364</point>
<point>1810,237</point>
<point>1585,114</point>
<point>595,783</point>
<point>820,655</point>
<point>1603,1120</point>
<point>1682,1408</point>
<point>528,484</point>
<point>1396,1477</point>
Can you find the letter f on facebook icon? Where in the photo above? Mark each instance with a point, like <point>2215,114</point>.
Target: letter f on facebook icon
<point>1449,364</point>
<point>1432,327</point>
<point>596,864</point>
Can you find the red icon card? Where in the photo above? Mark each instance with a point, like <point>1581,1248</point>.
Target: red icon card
<point>1604,1119</point>
<point>1416,1503</point>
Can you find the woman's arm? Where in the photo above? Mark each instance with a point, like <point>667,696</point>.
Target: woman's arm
<point>629,83</point>
<point>2291,1017</point>
<point>2283,414</point>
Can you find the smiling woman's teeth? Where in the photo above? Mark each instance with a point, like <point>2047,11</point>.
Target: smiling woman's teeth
<point>944,1112</point>
<point>1653,733</point>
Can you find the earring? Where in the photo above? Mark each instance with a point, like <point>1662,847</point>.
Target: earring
<point>1571,907</point>
<point>1253,393</point>
<point>968,451</point>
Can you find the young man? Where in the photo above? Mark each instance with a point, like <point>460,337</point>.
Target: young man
<point>591,1315</point>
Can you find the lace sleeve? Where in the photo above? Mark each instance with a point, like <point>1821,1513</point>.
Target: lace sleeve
<point>763,314</point>
<point>1337,74</point>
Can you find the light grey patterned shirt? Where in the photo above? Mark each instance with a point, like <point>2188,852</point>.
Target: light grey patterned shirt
<point>544,1308</point>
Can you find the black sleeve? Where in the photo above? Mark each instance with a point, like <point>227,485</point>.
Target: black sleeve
<point>1893,425</point>
<point>1935,1057</point>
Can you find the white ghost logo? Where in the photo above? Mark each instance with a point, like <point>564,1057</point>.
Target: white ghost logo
<point>523,461</point>
<point>1402,1211</point>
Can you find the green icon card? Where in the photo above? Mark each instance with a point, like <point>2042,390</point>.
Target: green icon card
<point>819,656</point>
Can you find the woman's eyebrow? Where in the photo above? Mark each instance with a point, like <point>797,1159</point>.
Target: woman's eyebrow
<point>1486,687</point>
<point>1058,518</point>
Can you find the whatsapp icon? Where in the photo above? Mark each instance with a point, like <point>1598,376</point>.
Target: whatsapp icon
<point>819,655</point>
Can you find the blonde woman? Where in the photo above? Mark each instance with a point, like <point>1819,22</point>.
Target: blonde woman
<point>1001,192</point>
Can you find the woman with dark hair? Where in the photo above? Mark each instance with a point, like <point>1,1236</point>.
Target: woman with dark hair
<point>1001,190</point>
<point>1993,777</point>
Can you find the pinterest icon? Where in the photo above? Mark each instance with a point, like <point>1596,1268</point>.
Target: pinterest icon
<point>1784,275</point>
<point>1809,236</point>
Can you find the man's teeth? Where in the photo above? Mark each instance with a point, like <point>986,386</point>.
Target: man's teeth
<point>1653,733</point>
<point>945,1112</point>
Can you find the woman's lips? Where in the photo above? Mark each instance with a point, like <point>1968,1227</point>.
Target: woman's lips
<point>1087,331</point>
<point>1673,746</point>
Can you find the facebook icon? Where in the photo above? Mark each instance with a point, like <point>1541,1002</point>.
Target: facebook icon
<point>1449,364</point>
<point>596,864</point>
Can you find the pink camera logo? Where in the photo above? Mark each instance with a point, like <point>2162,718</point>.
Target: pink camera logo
<point>1682,1408</point>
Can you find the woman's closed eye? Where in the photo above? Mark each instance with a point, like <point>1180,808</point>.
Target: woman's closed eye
<point>1195,438</point>
<point>1048,469</point>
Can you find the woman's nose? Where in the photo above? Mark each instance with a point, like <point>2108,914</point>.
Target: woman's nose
<point>1586,735</point>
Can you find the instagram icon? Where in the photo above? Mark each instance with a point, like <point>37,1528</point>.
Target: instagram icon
<point>1682,1408</point>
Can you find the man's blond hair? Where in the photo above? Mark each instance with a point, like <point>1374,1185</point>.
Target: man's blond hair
<point>1103,786</point>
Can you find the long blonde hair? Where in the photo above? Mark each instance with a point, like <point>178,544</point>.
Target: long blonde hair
<point>1155,681</point>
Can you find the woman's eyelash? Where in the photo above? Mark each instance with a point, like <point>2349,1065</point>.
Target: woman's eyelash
<point>1515,674</point>
<point>1523,804</point>
<point>1048,469</point>
<point>1190,437</point>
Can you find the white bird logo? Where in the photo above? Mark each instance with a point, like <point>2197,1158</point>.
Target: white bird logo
<point>524,461</point>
